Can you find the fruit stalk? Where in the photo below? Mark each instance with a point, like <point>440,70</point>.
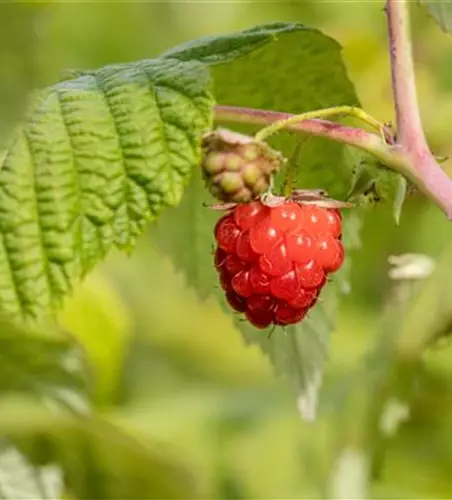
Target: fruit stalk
<point>357,137</point>
<point>326,113</point>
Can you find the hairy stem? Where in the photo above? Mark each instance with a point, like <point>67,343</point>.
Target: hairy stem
<point>425,171</point>
<point>410,132</point>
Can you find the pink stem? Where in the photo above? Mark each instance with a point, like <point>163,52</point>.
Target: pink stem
<point>403,79</point>
<point>425,170</point>
<point>322,128</point>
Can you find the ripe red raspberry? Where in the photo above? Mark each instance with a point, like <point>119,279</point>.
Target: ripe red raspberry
<point>273,261</point>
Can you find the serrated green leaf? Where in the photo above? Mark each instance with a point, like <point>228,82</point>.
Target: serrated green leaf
<point>441,12</point>
<point>97,459</point>
<point>373,182</point>
<point>45,364</point>
<point>285,67</point>
<point>98,157</point>
<point>225,48</point>
<point>185,234</point>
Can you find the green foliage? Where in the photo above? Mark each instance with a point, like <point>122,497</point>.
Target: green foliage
<point>176,378</point>
<point>373,183</point>
<point>397,384</point>
<point>97,318</point>
<point>39,365</point>
<point>190,242</point>
<point>226,48</point>
<point>298,69</point>
<point>441,12</point>
<point>98,157</point>
<point>50,443</point>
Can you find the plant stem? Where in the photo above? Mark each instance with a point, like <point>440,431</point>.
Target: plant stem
<point>359,138</point>
<point>410,132</point>
<point>425,171</point>
<point>321,113</point>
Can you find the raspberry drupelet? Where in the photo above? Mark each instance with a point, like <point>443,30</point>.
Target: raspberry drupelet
<point>273,261</point>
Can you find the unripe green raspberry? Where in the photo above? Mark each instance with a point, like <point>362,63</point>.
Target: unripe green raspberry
<point>237,168</point>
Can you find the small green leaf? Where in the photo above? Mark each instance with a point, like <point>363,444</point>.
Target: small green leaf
<point>373,182</point>
<point>98,157</point>
<point>399,198</point>
<point>441,12</point>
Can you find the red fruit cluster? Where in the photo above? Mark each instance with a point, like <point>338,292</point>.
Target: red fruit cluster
<point>273,261</point>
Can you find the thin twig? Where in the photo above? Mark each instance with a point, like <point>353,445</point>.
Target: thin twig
<point>357,137</point>
<point>321,113</point>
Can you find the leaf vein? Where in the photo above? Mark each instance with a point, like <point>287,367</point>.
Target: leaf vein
<point>38,220</point>
<point>119,139</point>
<point>77,176</point>
<point>17,292</point>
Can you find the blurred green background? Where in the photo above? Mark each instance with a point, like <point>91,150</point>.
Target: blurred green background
<point>172,370</point>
